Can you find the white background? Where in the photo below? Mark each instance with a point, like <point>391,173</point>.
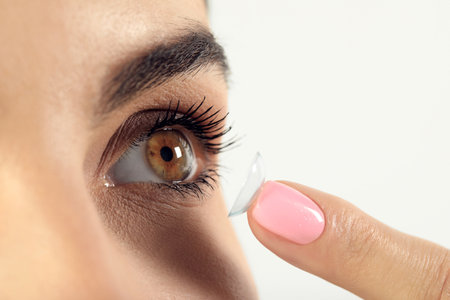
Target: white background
<point>351,97</point>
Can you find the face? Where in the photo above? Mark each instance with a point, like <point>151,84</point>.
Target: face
<point>112,118</point>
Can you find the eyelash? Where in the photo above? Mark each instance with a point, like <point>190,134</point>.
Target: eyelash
<point>206,127</point>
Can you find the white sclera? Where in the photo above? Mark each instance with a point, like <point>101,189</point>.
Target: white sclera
<point>256,177</point>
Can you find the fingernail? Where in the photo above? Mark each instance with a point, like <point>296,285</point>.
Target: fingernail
<point>288,213</point>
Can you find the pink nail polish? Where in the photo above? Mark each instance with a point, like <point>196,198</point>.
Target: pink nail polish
<point>288,213</point>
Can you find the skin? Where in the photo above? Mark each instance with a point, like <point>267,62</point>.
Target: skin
<point>62,235</point>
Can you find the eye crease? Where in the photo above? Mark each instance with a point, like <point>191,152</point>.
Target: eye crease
<point>171,148</point>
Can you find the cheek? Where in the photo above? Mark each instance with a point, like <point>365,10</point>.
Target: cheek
<point>181,248</point>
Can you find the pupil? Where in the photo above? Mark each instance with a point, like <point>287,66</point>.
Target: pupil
<point>166,153</point>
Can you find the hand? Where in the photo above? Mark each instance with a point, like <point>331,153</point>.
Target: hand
<point>329,237</point>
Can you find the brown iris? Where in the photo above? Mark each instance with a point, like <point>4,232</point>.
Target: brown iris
<point>169,154</point>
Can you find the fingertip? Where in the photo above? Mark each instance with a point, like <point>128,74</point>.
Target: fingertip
<point>288,213</point>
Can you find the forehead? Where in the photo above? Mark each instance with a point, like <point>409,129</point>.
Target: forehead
<point>52,44</point>
<point>100,18</point>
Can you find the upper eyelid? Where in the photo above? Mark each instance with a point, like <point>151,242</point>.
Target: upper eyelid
<point>117,138</point>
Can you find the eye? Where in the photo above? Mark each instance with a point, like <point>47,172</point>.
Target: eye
<point>166,156</point>
<point>172,148</point>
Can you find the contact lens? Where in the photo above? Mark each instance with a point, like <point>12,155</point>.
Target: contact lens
<point>256,177</point>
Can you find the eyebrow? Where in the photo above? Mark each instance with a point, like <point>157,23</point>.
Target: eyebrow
<point>185,54</point>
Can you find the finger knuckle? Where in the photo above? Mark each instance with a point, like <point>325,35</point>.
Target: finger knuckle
<point>358,236</point>
<point>444,274</point>
<point>433,269</point>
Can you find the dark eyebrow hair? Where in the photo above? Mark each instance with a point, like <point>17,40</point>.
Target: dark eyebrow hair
<point>185,54</point>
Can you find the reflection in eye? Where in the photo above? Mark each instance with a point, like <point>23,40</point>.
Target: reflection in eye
<point>165,157</point>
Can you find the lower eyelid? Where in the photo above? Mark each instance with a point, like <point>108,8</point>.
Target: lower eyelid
<point>139,213</point>
<point>155,197</point>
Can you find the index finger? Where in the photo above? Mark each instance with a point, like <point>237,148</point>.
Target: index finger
<point>329,237</point>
